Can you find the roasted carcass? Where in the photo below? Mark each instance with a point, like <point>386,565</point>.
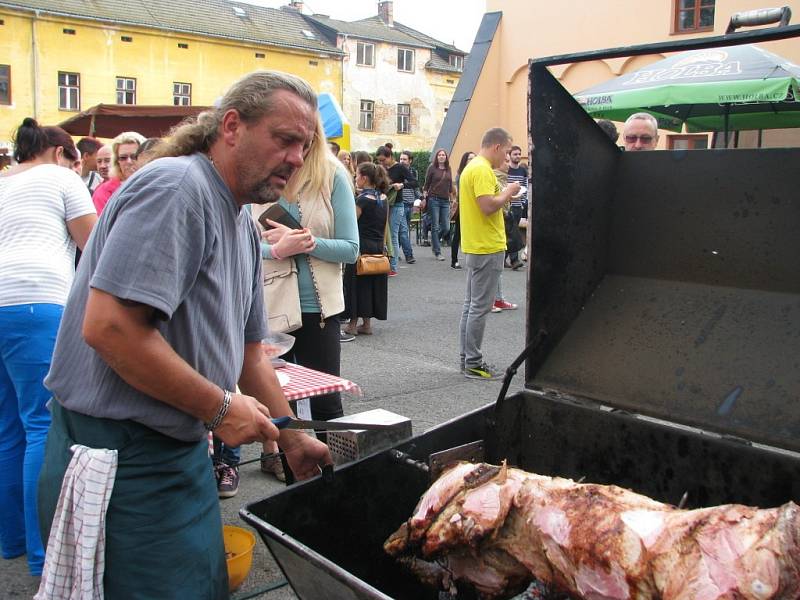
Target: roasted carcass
<point>499,528</point>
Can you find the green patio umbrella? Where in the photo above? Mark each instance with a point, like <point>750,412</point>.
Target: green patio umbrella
<point>720,89</point>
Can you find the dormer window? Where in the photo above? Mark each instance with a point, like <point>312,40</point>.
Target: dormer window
<point>457,61</point>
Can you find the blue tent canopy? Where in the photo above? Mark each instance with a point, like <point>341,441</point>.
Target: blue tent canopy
<point>333,119</point>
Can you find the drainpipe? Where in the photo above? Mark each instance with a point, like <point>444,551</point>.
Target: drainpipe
<point>35,66</point>
<point>344,44</point>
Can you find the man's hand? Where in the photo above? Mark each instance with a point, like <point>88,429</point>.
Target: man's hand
<point>397,186</point>
<point>247,421</point>
<point>306,455</point>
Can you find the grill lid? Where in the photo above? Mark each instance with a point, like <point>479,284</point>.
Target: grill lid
<point>668,282</point>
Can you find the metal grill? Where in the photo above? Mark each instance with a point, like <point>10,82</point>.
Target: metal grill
<point>347,446</point>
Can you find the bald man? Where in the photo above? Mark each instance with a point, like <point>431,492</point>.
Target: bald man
<point>640,132</point>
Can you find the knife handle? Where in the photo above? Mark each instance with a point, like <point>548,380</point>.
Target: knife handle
<point>281,422</point>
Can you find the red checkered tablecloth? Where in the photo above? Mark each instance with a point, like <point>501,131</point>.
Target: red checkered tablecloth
<point>305,383</point>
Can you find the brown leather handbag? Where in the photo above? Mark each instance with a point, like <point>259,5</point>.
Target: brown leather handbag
<point>372,264</point>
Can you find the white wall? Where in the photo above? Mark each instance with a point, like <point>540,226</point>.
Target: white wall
<point>427,92</point>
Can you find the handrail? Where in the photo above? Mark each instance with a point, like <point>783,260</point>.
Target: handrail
<point>734,39</point>
<point>760,16</point>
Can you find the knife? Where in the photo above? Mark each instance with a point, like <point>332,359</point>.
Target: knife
<point>292,423</point>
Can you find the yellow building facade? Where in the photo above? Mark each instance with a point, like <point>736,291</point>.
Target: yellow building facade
<point>58,65</point>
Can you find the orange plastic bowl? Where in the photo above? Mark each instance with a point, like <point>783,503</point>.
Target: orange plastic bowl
<point>239,545</point>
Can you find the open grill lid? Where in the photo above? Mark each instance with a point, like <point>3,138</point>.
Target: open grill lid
<point>668,283</point>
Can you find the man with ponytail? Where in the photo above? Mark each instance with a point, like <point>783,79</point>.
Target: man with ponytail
<point>165,319</point>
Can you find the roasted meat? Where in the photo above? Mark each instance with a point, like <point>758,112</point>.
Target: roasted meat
<point>499,529</point>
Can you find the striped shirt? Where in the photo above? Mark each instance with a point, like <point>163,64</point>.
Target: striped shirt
<point>37,254</point>
<point>520,175</point>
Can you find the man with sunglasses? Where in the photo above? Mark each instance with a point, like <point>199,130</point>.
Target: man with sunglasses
<point>640,132</point>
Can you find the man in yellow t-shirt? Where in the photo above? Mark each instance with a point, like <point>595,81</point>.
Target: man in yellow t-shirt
<point>483,240</point>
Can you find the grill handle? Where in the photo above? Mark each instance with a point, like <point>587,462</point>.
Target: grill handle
<point>512,368</point>
<point>761,16</point>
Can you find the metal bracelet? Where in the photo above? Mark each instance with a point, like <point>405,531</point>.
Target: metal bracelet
<point>223,410</point>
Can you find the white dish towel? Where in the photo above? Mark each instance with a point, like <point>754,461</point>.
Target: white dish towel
<point>75,558</point>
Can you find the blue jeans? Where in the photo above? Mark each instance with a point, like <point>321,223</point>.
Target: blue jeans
<point>27,337</point>
<point>226,454</point>
<point>399,230</point>
<point>408,209</point>
<point>439,210</point>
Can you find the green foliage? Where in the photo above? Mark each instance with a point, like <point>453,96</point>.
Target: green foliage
<point>420,159</point>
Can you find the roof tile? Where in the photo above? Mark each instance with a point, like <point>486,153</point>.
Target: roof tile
<point>215,18</point>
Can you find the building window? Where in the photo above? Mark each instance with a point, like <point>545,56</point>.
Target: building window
<point>126,38</point>
<point>403,118</point>
<point>693,15</point>
<point>68,31</point>
<point>405,60</point>
<point>126,90</point>
<point>181,94</point>
<point>365,54</point>
<point>69,91</point>
<point>687,142</point>
<point>5,84</point>
<point>457,61</point>
<point>366,120</point>
<point>260,55</point>
<point>183,46</point>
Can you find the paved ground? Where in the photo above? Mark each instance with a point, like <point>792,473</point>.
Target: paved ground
<point>409,366</point>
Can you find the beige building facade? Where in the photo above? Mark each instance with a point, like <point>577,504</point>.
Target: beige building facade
<point>397,82</point>
<point>537,29</point>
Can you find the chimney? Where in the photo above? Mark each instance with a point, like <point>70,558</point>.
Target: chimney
<point>385,12</point>
<point>297,5</point>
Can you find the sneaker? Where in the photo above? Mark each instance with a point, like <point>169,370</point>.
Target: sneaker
<point>228,482</point>
<point>439,257</point>
<point>503,305</point>
<point>273,466</point>
<point>411,261</point>
<point>455,265</point>
<point>392,273</point>
<point>482,371</point>
<point>346,337</point>
<point>515,266</point>
<point>495,309</point>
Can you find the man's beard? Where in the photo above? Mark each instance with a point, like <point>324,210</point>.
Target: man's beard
<point>264,193</point>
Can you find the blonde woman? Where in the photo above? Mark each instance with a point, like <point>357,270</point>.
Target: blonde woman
<point>123,160</point>
<point>320,197</point>
<point>347,160</point>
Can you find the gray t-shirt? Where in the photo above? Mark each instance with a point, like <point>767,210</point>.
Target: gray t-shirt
<point>172,238</point>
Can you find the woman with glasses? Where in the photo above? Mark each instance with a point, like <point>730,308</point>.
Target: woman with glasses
<point>45,212</point>
<point>124,150</point>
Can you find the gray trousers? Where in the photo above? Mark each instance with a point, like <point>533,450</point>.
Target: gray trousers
<point>483,274</point>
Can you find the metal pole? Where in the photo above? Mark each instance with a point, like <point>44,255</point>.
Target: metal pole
<point>727,119</point>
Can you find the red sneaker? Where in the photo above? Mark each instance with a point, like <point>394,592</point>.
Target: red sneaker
<point>503,305</point>
<point>392,273</point>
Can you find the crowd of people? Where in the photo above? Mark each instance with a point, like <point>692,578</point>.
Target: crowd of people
<point>128,362</point>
